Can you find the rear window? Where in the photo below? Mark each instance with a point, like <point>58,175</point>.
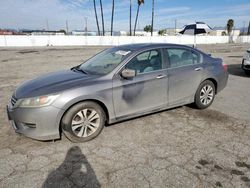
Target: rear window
<point>178,57</point>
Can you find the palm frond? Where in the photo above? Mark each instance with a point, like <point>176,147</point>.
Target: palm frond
<point>140,2</point>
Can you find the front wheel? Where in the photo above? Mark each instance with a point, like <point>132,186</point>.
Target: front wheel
<point>83,122</point>
<point>205,95</point>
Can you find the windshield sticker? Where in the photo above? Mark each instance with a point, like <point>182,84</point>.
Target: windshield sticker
<point>121,52</point>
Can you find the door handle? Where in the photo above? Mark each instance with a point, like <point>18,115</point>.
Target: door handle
<point>198,68</point>
<point>161,76</point>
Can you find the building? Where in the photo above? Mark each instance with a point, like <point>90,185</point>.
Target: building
<point>144,33</point>
<point>221,32</point>
<point>41,32</point>
<point>84,33</point>
<point>172,31</point>
<point>7,32</point>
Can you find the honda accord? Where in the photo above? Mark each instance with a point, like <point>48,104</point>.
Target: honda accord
<point>117,84</point>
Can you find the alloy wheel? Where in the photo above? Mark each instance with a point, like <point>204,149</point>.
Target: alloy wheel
<point>85,122</point>
<point>206,95</point>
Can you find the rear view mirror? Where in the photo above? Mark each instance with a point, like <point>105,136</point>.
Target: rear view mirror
<point>128,73</point>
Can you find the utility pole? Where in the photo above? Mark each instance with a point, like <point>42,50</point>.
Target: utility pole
<point>244,25</point>
<point>67,27</point>
<point>112,18</point>
<point>86,24</point>
<point>47,24</point>
<point>138,24</point>
<point>130,17</point>
<point>175,26</point>
<point>152,23</point>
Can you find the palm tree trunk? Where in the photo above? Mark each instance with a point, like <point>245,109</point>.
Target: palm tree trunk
<point>103,30</point>
<point>112,17</point>
<point>130,18</point>
<point>152,23</point>
<point>248,31</point>
<point>97,23</point>
<point>137,14</point>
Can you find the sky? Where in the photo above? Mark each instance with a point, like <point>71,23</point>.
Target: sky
<point>32,14</point>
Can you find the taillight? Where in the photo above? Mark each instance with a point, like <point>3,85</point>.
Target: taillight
<point>225,67</point>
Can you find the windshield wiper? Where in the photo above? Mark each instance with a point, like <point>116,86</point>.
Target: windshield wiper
<point>77,68</point>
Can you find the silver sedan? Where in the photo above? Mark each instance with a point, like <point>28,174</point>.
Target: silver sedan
<point>117,84</point>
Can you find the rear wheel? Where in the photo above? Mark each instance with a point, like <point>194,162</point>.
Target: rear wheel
<point>83,122</point>
<point>205,95</point>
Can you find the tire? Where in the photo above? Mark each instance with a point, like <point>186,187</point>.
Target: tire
<point>206,89</point>
<point>83,122</point>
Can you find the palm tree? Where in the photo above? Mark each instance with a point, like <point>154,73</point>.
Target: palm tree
<point>97,23</point>
<point>248,31</point>
<point>152,23</point>
<point>130,18</point>
<point>103,30</point>
<point>139,2</point>
<point>112,17</point>
<point>230,25</point>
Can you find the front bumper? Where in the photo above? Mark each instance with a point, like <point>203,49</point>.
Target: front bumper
<point>37,123</point>
<point>246,64</point>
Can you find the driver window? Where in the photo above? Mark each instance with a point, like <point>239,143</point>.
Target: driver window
<point>146,62</point>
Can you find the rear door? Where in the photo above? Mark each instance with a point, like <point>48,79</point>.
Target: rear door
<point>185,71</point>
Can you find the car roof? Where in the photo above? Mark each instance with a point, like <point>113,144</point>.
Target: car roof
<point>141,46</point>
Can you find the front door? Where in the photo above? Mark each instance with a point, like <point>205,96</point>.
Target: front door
<point>146,91</point>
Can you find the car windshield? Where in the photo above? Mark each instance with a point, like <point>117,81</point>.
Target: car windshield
<point>104,62</point>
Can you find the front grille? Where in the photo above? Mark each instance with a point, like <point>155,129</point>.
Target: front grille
<point>13,101</point>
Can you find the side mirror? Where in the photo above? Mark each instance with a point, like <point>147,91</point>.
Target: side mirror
<point>128,73</point>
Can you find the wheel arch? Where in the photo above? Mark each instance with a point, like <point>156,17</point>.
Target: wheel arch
<point>102,105</point>
<point>213,80</point>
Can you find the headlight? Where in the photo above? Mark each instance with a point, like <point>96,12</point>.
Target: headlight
<point>38,101</point>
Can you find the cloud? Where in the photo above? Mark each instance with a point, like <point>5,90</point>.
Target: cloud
<point>32,14</point>
<point>217,16</point>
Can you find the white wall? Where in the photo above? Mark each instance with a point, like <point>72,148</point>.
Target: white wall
<point>26,41</point>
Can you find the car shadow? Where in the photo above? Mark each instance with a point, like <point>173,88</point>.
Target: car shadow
<point>235,56</point>
<point>236,70</point>
<point>75,171</point>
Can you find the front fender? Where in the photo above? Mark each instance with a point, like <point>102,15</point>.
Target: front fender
<point>71,97</point>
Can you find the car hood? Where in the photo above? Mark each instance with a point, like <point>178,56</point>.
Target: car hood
<point>51,83</point>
